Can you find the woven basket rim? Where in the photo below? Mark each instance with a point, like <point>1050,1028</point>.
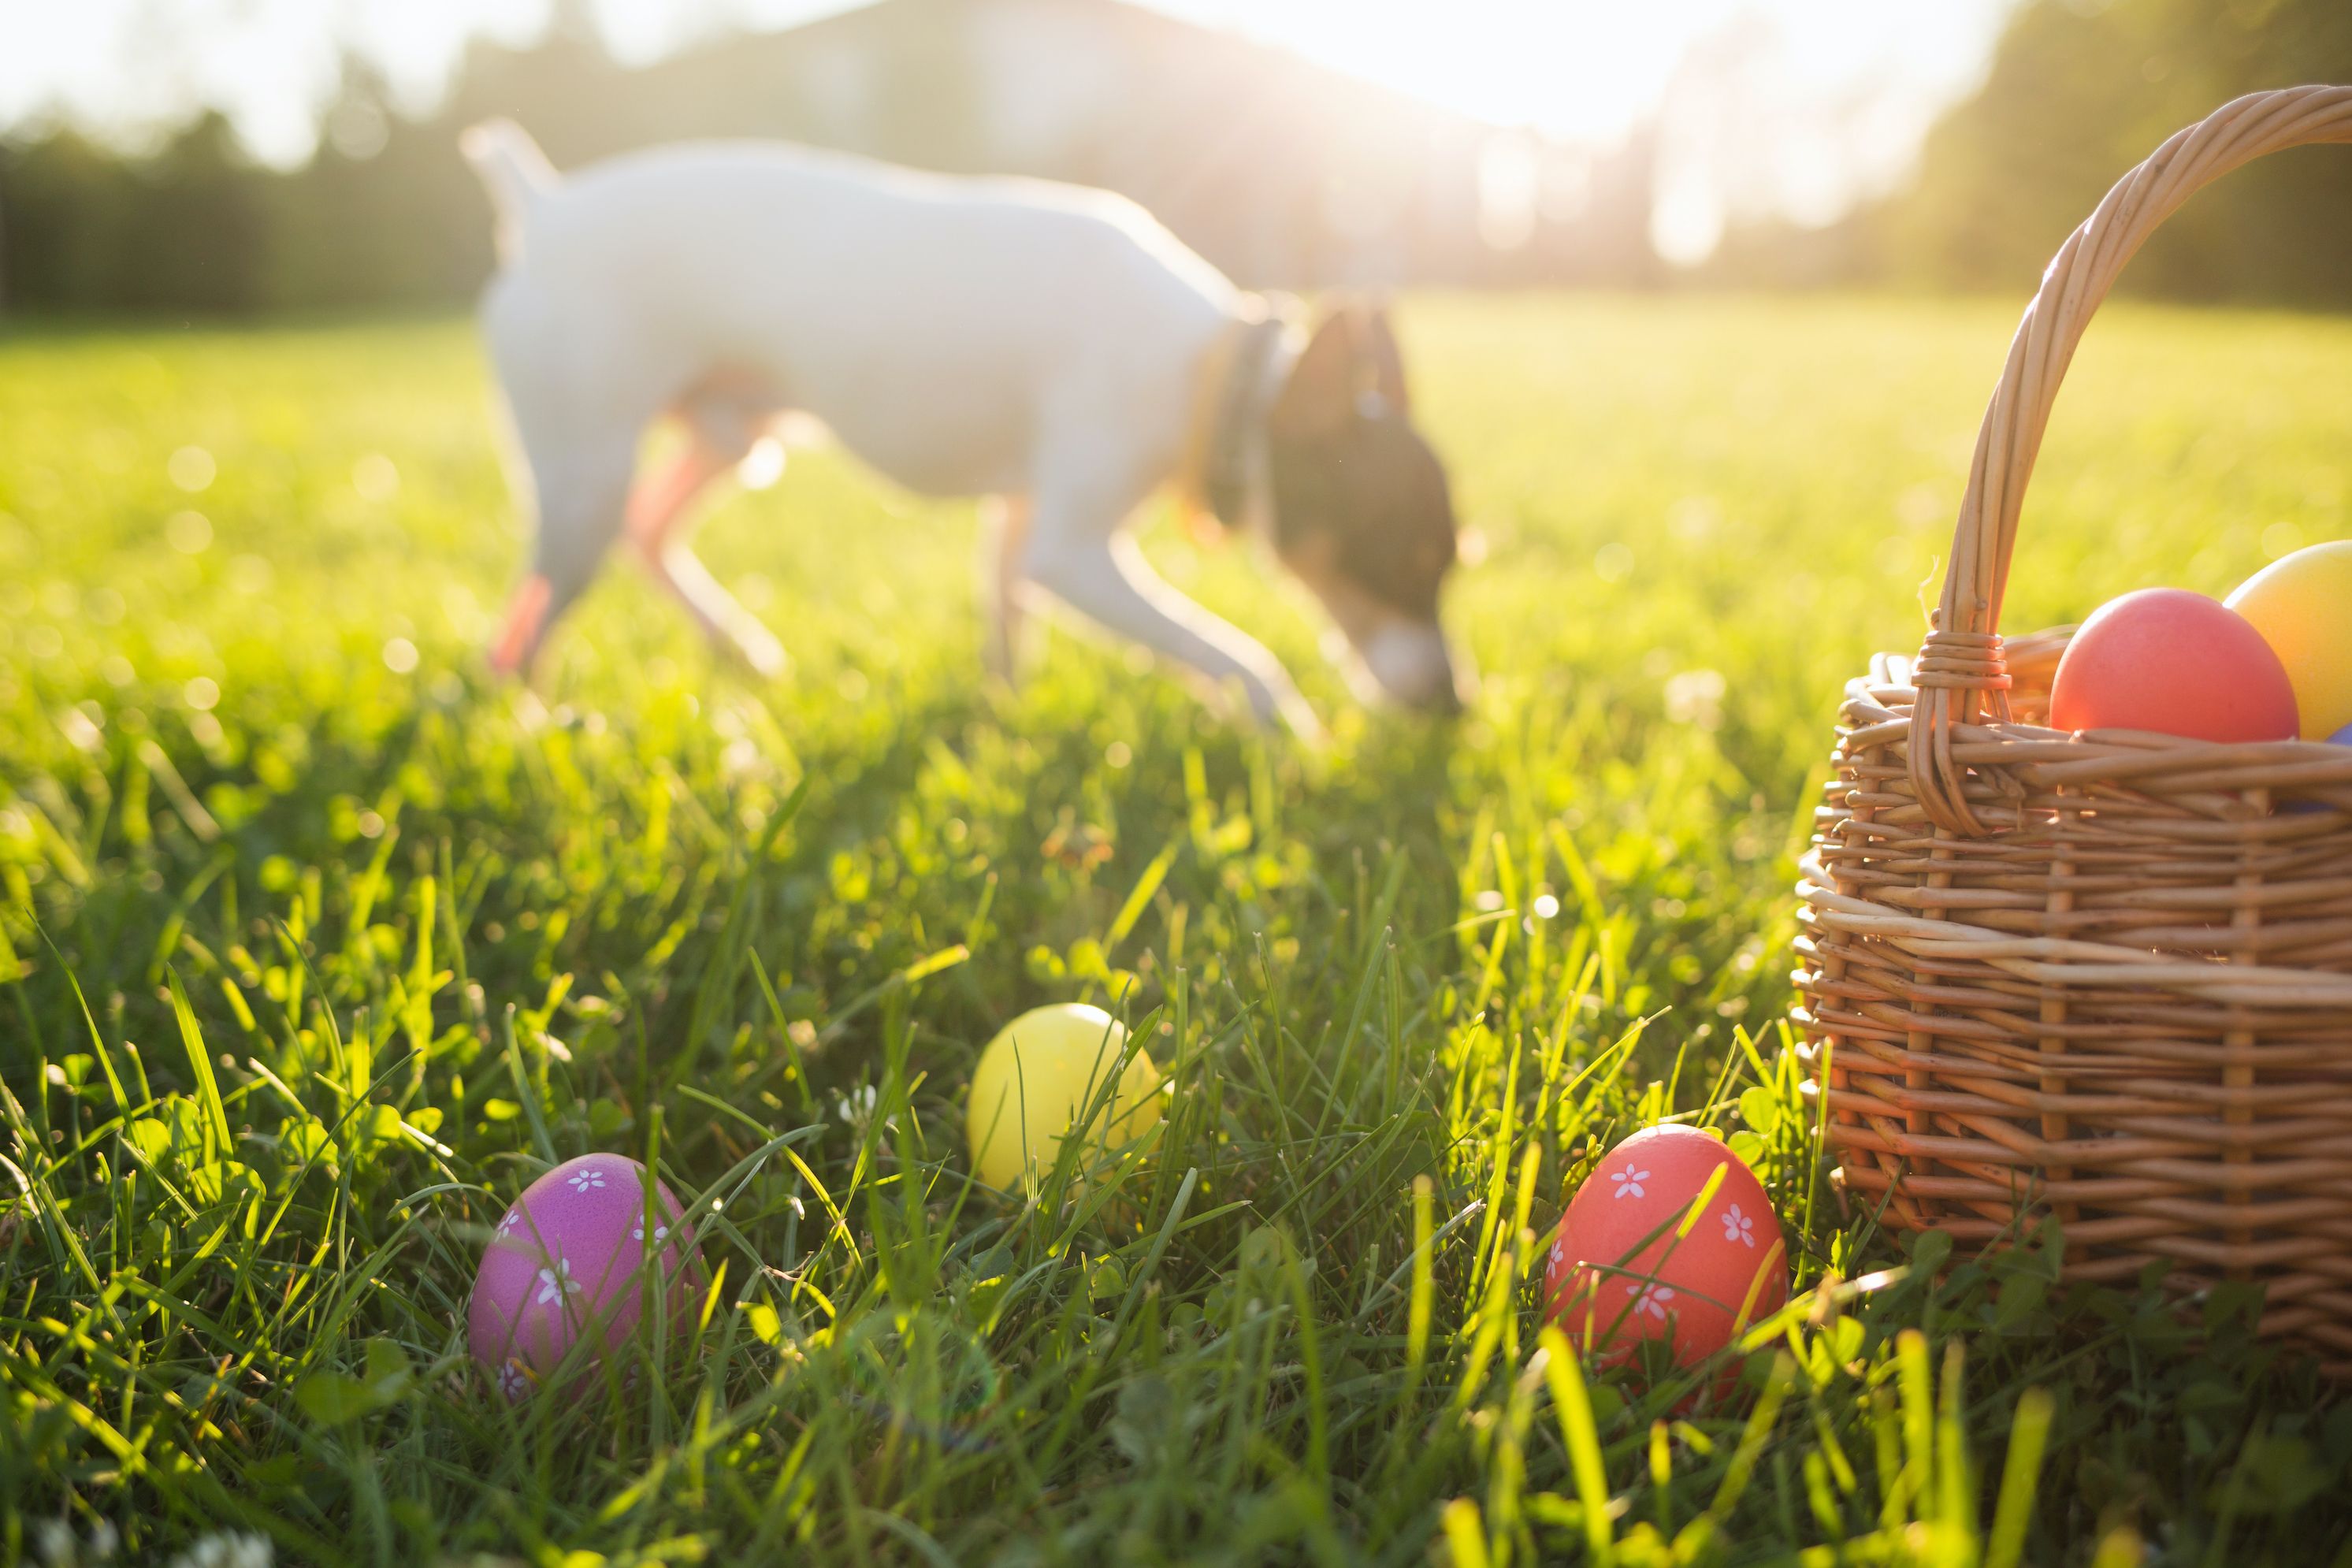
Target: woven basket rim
<point>2153,749</point>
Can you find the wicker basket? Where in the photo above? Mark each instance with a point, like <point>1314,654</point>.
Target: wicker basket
<point>2105,974</point>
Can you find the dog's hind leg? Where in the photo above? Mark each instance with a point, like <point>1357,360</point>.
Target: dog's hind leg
<point>580,489</point>
<point>1004,532</point>
<point>570,450</point>
<point>663,504</point>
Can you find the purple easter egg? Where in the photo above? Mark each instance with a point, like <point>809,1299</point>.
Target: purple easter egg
<point>2342,737</point>
<point>564,1262</point>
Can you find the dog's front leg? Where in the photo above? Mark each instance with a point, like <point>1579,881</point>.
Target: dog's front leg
<point>1105,578</point>
<point>721,616</point>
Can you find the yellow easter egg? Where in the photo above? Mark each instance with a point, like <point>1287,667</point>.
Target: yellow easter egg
<point>2302,603</point>
<point>1035,1076</point>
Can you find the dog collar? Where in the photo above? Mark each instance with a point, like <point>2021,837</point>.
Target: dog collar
<point>1225,471</point>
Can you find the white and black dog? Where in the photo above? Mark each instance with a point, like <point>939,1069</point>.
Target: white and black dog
<point>1050,347</point>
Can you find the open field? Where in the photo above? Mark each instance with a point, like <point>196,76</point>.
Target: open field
<point>366,941</point>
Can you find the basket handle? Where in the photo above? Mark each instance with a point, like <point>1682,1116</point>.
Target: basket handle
<point>1960,669</point>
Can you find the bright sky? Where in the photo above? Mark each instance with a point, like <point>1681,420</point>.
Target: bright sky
<point>1790,105</point>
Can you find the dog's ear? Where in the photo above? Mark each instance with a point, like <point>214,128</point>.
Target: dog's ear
<point>1319,397</point>
<point>1386,363</point>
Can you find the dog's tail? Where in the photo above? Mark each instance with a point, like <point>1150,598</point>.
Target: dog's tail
<point>516,173</point>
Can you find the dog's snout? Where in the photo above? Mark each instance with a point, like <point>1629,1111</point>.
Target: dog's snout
<point>1452,693</point>
<point>1462,688</point>
<point>1414,665</point>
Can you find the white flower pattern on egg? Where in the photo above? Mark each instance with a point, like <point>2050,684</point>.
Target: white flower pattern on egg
<point>555,1283</point>
<point>1628,1181</point>
<point>1651,1298</point>
<point>514,1218</point>
<point>582,1179</point>
<point>513,1382</point>
<point>661,1232</point>
<point>1738,1227</point>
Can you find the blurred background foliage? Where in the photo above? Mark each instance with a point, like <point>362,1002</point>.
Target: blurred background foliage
<point>2078,92</point>
<point>1280,171</point>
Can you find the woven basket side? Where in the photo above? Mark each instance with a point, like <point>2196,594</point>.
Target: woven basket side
<point>2131,1005</point>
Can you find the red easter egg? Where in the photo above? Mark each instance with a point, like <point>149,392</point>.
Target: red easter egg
<point>2177,663</point>
<point>1639,1257</point>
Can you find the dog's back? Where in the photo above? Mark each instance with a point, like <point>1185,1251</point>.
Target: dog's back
<point>931,320</point>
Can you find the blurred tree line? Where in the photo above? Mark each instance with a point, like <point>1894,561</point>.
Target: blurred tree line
<point>2079,91</point>
<point>1280,172</point>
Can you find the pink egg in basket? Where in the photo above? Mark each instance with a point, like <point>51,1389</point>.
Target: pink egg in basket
<point>565,1263</point>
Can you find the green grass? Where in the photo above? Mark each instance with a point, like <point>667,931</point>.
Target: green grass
<point>319,946</point>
